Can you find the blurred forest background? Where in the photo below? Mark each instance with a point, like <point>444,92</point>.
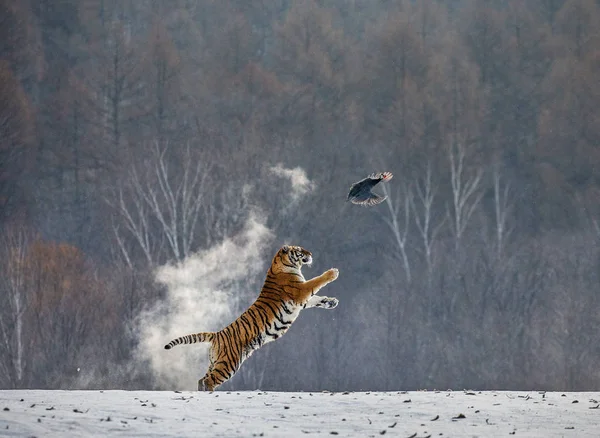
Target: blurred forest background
<point>134,134</point>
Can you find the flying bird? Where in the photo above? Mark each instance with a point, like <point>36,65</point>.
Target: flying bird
<point>360,192</point>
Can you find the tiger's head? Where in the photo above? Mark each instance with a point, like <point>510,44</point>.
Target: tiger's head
<point>294,256</point>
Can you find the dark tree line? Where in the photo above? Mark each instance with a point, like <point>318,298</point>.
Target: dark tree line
<point>134,134</point>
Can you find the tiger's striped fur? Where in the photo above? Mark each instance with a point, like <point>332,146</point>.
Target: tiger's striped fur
<point>284,294</point>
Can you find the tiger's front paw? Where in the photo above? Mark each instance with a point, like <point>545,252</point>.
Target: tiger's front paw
<point>333,274</point>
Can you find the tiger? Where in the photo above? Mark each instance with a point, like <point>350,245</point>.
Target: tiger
<point>284,294</point>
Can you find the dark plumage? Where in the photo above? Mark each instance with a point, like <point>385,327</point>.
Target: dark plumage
<point>360,192</point>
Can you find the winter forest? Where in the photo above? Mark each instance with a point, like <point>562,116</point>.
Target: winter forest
<point>154,155</point>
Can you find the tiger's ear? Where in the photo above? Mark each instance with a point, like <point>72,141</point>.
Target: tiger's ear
<point>285,249</point>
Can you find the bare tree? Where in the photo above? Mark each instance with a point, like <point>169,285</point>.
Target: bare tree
<point>465,191</point>
<point>13,296</point>
<point>159,206</point>
<point>502,208</point>
<point>426,192</point>
<point>398,227</point>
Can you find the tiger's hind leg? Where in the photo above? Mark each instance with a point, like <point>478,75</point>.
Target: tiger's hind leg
<point>205,383</point>
<point>223,366</point>
<point>323,302</point>
<point>216,376</point>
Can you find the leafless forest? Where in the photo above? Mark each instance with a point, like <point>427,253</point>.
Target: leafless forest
<point>136,134</point>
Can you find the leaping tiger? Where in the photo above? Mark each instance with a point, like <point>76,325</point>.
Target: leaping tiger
<point>284,294</point>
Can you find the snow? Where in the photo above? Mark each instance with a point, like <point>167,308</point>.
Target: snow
<point>38,413</point>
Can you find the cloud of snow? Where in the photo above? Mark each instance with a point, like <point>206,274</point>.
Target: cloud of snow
<point>301,185</point>
<point>203,294</point>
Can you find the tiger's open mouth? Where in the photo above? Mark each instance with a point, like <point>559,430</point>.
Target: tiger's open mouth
<point>307,260</point>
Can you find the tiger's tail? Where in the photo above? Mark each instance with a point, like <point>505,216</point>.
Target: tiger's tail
<point>191,339</point>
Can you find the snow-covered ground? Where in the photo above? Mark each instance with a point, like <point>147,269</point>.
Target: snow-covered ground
<point>36,413</point>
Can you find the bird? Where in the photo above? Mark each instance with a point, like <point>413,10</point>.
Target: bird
<point>361,194</point>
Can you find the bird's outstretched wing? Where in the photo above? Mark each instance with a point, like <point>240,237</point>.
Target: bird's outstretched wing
<point>373,199</point>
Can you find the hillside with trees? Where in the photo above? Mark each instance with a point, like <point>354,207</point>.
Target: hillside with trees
<point>137,134</point>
